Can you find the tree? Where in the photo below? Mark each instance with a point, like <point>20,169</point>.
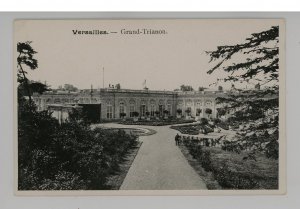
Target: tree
<point>27,89</point>
<point>201,88</point>
<point>198,111</point>
<point>68,156</point>
<point>221,111</point>
<point>261,58</point>
<point>179,111</point>
<point>258,62</point>
<point>186,88</point>
<point>135,114</point>
<point>122,114</point>
<point>70,87</point>
<point>166,112</point>
<point>25,59</point>
<point>147,113</point>
<point>220,88</point>
<point>188,111</point>
<point>204,121</point>
<point>208,111</point>
<point>118,86</point>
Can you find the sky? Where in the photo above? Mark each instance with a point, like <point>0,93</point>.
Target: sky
<point>165,61</point>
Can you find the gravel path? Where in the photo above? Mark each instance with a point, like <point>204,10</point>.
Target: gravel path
<point>159,164</point>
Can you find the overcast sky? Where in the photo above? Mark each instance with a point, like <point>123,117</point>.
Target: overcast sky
<point>165,61</point>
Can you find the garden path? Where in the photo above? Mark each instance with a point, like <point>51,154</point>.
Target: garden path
<point>159,164</point>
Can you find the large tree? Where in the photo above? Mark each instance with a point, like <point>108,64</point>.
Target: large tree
<point>256,61</point>
<point>25,61</point>
<point>257,58</point>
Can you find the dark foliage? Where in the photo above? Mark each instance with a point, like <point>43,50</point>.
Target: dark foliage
<point>67,156</point>
<point>186,88</point>
<point>208,111</point>
<point>259,58</point>
<point>70,156</point>
<point>262,57</point>
<point>204,121</point>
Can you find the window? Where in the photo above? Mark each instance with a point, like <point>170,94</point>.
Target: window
<point>152,110</point>
<point>122,108</point>
<point>198,103</point>
<point>169,108</point>
<point>189,111</point>
<point>143,110</point>
<point>189,102</point>
<point>208,104</point>
<point>109,112</point>
<point>131,111</point>
<point>160,109</point>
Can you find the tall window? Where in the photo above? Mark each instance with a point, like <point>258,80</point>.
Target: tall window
<point>169,108</point>
<point>109,113</point>
<point>131,110</point>
<point>152,110</point>
<point>122,108</point>
<point>143,110</point>
<point>160,109</point>
<point>189,112</point>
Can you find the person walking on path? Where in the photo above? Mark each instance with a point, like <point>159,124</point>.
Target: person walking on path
<point>177,139</point>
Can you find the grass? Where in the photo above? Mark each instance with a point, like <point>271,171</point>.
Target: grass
<point>115,180</point>
<point>262,173</point>
<point>207,177</point>
<point>231,171</point>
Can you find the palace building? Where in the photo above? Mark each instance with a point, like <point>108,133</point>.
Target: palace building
<point>112,103</point>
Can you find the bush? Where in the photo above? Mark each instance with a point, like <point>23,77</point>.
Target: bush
<point>122,114</point>
<point>217,121</point>
<point>223,125</point>
<point>203,121</point>
<point>208,111</point>
<point>229,179</point>
<point>67,156</point>
<point>161,122</point>
<point>272,149</point>
<point>135,114</point>
<point>179,111</point>
<point>231,171</point>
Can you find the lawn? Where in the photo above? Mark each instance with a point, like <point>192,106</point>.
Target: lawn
<point>234,171</point>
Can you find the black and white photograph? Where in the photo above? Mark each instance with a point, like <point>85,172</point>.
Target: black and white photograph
<point>149,106</point>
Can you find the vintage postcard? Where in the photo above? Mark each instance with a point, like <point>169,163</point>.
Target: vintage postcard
<point>150,107</point>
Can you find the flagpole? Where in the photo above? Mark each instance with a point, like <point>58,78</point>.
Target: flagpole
<point>103,77</point>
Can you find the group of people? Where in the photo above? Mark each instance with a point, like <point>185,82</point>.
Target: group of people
<point>208,142</point>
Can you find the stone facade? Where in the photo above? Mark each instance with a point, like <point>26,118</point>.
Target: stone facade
<point>116,101</point>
